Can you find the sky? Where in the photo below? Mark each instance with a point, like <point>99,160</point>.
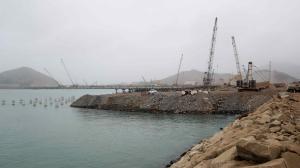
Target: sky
<point>113,41</point>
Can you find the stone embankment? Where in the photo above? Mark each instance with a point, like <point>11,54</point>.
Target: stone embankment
<point>213,102</point>
<point>266,138</point>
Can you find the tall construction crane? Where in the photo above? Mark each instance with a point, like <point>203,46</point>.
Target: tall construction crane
<point>181,58</point>
<point>236,55</point>
<point>208,78</point>
<point>49,74</point>
<point>67,72</point>
<point>144,79</point>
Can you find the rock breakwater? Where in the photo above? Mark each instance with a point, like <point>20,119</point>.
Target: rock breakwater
<point>213,102</point>
<point>266,138</point>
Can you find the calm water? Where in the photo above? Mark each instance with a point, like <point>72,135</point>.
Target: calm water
<point>38,129</point>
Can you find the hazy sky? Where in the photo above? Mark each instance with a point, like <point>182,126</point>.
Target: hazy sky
<point>111,41</point>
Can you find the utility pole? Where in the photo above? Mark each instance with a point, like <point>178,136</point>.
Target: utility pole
<point>207,80</point>
<point>179,70</point>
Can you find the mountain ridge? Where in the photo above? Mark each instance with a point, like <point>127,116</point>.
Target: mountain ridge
<point>195,76</point>
<point>25,77</point>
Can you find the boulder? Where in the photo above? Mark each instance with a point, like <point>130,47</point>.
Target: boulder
<point>293,148</point>
<point>283,95</point>
<point>275,123</point>
<point>246,123</point>
<point>277,163</point>
<point>275,129</point>
<point>279,116</point>
<point>298,137</point>
<point>292,160</point>
<point>298,127</point>
<point>256,151</point>
<point>264,119</point>
<point>231,164</point>
<point>289,128</point>
<point>230,154</point>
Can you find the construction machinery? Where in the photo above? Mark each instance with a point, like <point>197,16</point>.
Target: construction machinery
<point>294,87</point>
<point>239,76</point>
<point>246,83</point>
<point>181,58</point>
<point>144,80</point>
<point>67,72</point>
<point>49,74</point>
<point>208,76</point>
<point>249,84</point>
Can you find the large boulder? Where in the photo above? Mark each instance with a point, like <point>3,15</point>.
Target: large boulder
<point>292,160</point>
<point>277,163</point>
<point>293,148</point>
<point>256,151</point>
<point>228,155</point>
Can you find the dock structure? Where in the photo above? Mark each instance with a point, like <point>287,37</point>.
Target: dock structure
<point>131,88</point>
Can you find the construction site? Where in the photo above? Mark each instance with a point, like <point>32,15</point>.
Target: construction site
<point>242,93</point>
<point>242,80</point>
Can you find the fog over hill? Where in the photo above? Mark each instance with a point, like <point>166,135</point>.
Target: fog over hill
<point>192,76</point>
<point>25,77</point>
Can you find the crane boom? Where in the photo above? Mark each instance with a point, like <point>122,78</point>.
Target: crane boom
<point>144,79</point>
<point>207,80</point>
<point>49,74</point>
<point>181,58</point>
<point>238,67</point>
<point>67,72</point>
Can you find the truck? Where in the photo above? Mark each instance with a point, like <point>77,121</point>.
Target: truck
<point>294,87</point>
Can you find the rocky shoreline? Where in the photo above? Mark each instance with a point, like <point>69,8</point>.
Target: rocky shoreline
<point>173,102</point>
<point>269,137</point>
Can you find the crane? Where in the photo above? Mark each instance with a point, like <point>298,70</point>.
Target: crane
<point>144,79</point>
<point>181,58</point>
<point>208,78</point>
<point>238,67</point>
<point>49,74</point>
<point>67,72</point>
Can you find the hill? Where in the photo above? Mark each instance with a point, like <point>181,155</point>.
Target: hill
<point>25,77</point>
<point>194,76</point>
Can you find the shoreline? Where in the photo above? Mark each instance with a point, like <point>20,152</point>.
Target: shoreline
<point>266,137</point>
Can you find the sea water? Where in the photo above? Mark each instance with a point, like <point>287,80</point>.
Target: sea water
<point>39,129</point>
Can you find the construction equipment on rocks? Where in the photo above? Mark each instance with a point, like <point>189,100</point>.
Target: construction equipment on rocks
<point>294,87</point>
<point>67,72</point>
<point>176,83</point>
<point>236,56</point>
<point>208,78</point>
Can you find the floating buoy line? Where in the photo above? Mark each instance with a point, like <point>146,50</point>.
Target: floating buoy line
<point>40,102</point>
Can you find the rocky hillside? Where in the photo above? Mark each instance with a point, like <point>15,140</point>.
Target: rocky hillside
<point>188,77</point>
<point>25,77</point>
<point>266,138</point>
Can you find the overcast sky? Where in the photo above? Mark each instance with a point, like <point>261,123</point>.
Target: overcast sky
<point>112,41</point>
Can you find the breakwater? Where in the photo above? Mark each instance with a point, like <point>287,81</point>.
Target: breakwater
<point>268,137</point>
<point>219,102</point>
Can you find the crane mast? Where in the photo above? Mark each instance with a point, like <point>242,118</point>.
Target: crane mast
<point>144,79</point>
<point>49,74</point>
<point>208,78</point>
<point>67,72</point>
<point>238,67</point>
<point>179,70</point>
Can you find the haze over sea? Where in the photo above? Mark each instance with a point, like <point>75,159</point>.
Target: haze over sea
<point>36,133</point>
